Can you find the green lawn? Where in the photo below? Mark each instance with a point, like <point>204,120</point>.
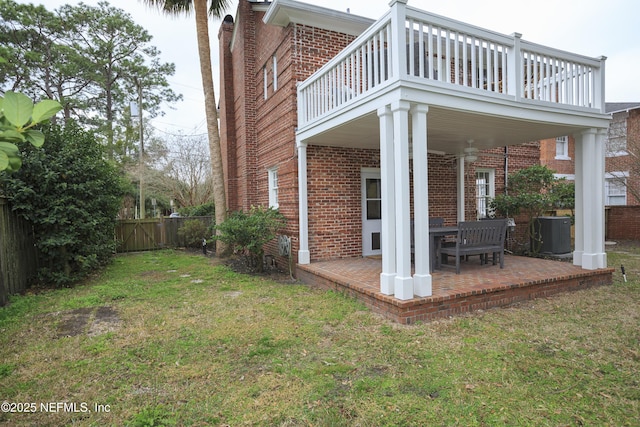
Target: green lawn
<point>169,338</point>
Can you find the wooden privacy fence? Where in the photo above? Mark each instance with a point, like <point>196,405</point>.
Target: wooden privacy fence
<point>155,233</point>
<point>18,254</point>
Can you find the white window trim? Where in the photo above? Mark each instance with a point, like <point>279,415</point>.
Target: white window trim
<point>564,140</point>
<point>275,73</point>
<point>615,175</point>
<point>492,188</point>
<point>273,187</point>
<point>616,153</point>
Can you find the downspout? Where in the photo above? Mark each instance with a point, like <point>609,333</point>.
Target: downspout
<point>506,168</point>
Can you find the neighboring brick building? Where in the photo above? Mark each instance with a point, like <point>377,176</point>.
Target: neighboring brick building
<point>558,154</point>
<point>326,178</point>
<point>622,147</point>
<point>622,167</point>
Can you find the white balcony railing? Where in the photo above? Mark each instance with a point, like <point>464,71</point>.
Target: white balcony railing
<point>440,51</point>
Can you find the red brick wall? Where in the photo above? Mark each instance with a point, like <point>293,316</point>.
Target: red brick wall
<point>313,47</point>
<point>335,201</point>
<point>548,156</point>
<point>257,133</point>
<point>623,223</point>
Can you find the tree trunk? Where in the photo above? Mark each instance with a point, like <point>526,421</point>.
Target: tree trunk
<point>204,51</point>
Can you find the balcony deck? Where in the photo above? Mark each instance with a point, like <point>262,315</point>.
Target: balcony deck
<point>478,287</point>
<point>474,80</point>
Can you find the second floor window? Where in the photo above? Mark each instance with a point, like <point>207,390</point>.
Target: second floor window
<point>265,77</point>
<point>562,148</point>
<point>616,141</point>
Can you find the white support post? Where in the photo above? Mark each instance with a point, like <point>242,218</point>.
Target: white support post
<point>592,203</point>
<point>403,281</point>
<point>304,256</point>
<point>460,183</point>
<point>387,178</point>
<point>422,281</point>
<point>579,205</point>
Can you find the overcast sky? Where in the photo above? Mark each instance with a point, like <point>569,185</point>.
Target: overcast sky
<point>588,27</point>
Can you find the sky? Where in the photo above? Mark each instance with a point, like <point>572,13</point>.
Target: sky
<point>588,27</point>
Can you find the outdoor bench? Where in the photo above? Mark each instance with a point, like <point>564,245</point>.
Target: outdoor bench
<point>479,238</point>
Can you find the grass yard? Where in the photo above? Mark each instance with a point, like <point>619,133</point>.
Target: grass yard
<point>169,338</point>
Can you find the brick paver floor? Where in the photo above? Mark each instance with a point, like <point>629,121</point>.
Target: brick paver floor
<point>363,275</point>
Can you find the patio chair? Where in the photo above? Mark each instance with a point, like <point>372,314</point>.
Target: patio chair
<point>479,238</point>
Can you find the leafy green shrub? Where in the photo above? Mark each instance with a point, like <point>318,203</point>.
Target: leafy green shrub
<point>71,196</point>
<point>18,116</point>
<point>533,191</point>
<point>192,232</point>
<point>201,210</point>
<point>247,233</point>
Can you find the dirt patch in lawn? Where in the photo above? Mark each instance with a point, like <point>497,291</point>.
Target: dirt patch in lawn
<point>91,321</point>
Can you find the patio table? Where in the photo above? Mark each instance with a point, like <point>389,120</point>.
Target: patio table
<point>436,234</point>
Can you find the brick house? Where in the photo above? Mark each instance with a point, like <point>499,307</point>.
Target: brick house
<point>622,175</point>
<point>319,119</point>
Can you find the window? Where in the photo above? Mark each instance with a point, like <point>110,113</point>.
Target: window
<point>616,141</point>
<point>273,188</point>
<point>275,73</point>
<point>264,79</point>
<point>485,191</point>
<point>374,198</point>
<point>615,187</point>
<point>562,148</point>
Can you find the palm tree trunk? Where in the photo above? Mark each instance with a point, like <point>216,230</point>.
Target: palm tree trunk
<point>204,51</point>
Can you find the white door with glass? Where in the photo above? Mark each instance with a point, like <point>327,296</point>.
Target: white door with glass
<point>371,213</point>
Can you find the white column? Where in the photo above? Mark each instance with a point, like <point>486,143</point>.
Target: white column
<point>579,215</point>
<point>387,177</point>
<point>460,183</point>
<point>422,276</point>
<point>592,203</point>
<point>601,139</point>
<point>403,280</point>
<point>304,256</point>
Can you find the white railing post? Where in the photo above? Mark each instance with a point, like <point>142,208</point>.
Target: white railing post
<point>599,86</point>
<point>514,68</point>
<point>398,52</point>
<point>302,104</point>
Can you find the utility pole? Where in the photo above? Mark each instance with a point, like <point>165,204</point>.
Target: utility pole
<point>141,163</point>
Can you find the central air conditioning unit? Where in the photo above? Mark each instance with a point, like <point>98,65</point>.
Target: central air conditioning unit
<point>555,233</point>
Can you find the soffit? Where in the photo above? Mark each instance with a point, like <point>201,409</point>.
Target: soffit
<point>284,12</point>
<point>448,131</point>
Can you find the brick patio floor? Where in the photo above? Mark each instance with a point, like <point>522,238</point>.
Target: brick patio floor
<point>477,287</point>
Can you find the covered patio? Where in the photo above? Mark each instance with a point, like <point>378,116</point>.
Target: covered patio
<point>478,287</point>
<point>414,86</point>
